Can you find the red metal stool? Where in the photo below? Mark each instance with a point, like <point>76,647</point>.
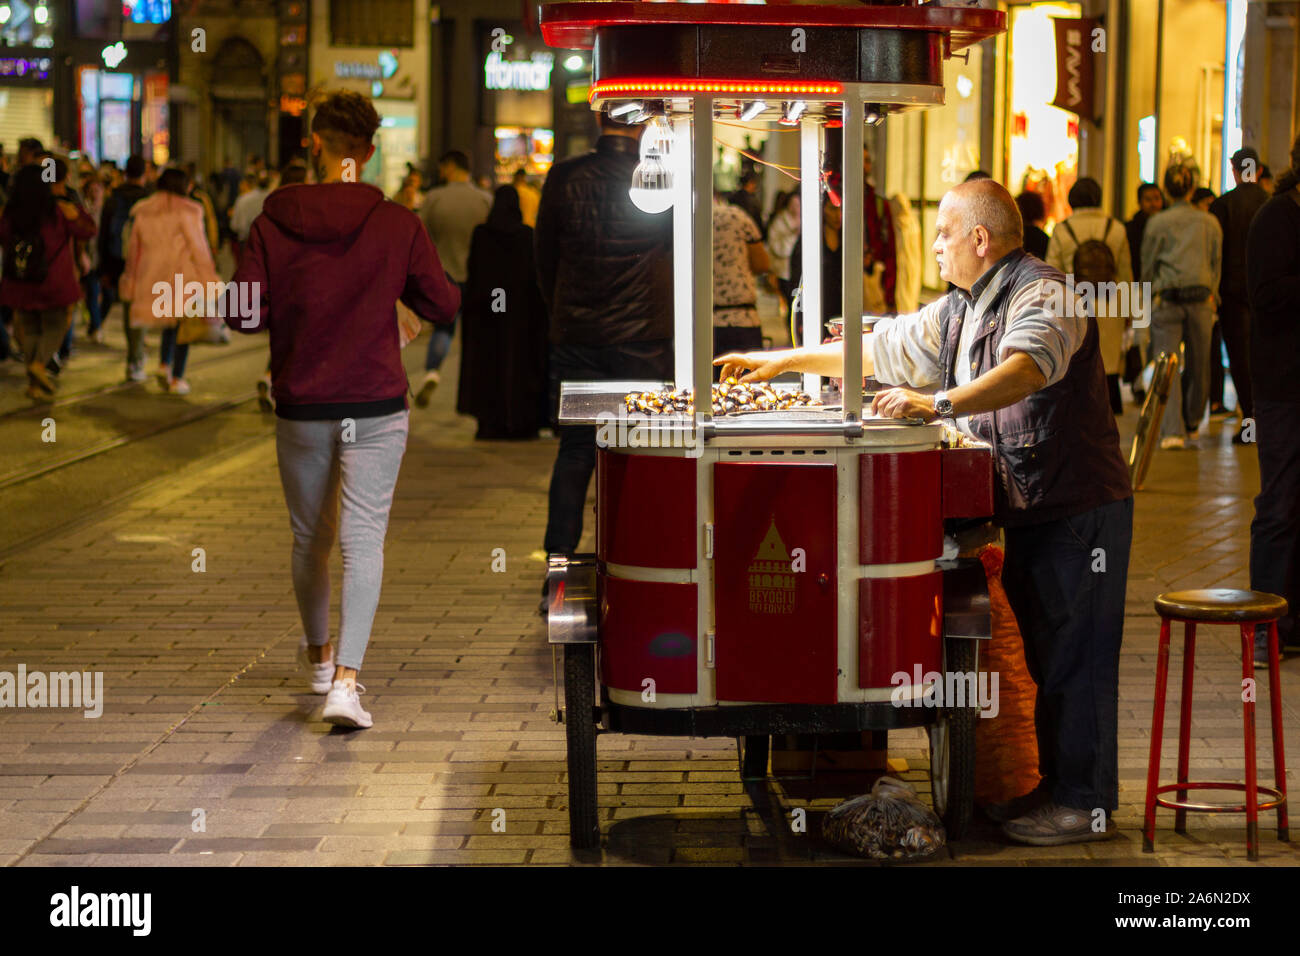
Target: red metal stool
<point>1218,606</point>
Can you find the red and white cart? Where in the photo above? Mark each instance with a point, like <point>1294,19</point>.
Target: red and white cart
<point>771,572</point>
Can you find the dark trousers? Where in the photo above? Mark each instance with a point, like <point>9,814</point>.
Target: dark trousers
<point>576,458</point>
<point>1234,331</point>
<point>1275,530</point>
<point>1071,617</point>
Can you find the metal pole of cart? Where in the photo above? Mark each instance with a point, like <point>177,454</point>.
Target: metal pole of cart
<point>683,291</point>
<point>851,247</point>
<point>702,240</point>
<point>810,214</point>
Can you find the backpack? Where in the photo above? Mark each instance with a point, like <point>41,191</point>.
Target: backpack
<point>25,260</point>
<point>1093,260</point>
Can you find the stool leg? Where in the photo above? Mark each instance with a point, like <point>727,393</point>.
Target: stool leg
<point>1248,718</point>
<point>1157,731</point>
<point>1279,751</point>
<point>1185,720</point>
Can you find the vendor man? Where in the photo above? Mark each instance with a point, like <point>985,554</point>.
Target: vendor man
<point>1015,372</point>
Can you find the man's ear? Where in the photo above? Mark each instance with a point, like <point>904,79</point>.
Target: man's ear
<point>316,144</point>
<point>370,152</point>
<point>982,240</point>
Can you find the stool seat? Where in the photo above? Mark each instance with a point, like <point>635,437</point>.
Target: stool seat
<point>1222,605</point>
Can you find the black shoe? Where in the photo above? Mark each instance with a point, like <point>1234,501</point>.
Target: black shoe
<point>264,396</point>
<point>55,365</point>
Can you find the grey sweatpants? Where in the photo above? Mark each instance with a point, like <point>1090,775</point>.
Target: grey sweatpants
<point>319,467</point>
<point>1189,324</point>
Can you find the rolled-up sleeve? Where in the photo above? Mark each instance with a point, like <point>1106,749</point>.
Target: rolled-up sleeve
<point>1037,327</point>
<point>905,348</point>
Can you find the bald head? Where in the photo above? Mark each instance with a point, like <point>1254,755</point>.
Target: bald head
<point>978,224</point>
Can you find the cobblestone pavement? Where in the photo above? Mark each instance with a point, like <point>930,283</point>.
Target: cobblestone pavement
<point>209,753</point>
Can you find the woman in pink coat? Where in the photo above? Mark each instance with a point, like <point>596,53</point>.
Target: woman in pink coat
<point>167,247</point>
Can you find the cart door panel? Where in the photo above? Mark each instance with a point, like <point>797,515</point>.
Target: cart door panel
<point>775,627</point>
<point>648,631</point>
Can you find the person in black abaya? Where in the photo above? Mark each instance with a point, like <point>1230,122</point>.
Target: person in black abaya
<point>504,338</point>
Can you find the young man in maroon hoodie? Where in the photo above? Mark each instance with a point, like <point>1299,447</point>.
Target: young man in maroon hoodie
<point>322,271</point>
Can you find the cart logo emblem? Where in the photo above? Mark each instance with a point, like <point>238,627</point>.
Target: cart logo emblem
<point>771,581</point>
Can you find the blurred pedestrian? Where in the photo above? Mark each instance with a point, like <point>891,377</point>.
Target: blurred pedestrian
<point>1266,179</point>
<point>167,247</point>
<point>38,233</point>
<point>504,331</point>
<point>294,173</point>
<point>1150,201</point>
<point>1182,258</point>
<point>247,208</point>
<point>88,258</point>
<point>907,255</point>
<point>340,389</point>
<point>409,193</point>
<point>211,226</point>
<point>529,197</point>
<point>739,257</point>
<point>113,226</point>
<point>1235,210</point>
<point>1202,198</point>
<point>782,233</point>
<point>878,235</point>
<point>450,213</point>
<point>606,272</point>
<point>1033,211</point>
<point>832,265</point>
<point>746,198</point>
<point>1093,247</point>
<point>1273,281</point>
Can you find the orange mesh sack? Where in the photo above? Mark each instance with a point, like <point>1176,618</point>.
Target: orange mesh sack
<point>1006,762</point>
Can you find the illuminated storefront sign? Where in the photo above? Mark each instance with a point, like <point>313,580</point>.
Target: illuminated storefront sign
<point>533,74</point>
<point>22,66</point>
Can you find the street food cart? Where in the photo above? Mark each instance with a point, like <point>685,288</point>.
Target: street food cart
<point>778,571</point>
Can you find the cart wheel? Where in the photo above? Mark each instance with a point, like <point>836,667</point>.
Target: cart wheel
<point>753,757</point>
<point>952,749</point>
<point>580,731</point>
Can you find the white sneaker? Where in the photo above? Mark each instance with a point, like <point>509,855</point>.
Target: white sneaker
<point>430,385</point>
<point>136,373</point>
<point>1173,442</point>
<point>178,386</point>
<point>343,705</point>
<point>320,677</point>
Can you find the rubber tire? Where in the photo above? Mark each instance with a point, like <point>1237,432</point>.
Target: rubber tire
<point>960,657</point>
<point>580,735</point>
<point>753,757</point>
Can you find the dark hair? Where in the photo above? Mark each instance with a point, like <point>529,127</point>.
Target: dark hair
<point>505,214</point>
<point>293,174</point>
<point>456,158</point>
<point>135,167</point>
<point>1143,187</point>
<point>60,167</point>
<point>173,180</point>
<point>519,173</point>
<point>1203,193</point>
<point>1265,172</point>
<point>1085,193</point>
<point>1178,180</point>
<point>1031,206</point>
<point>31,144</point>
<point>345,121</point>
<point>975,174</point>
<point>1240,156</point>
<point>31,201</point>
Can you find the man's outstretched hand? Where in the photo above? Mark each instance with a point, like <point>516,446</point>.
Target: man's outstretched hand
<point>750,366</point>
<point>903,403</point>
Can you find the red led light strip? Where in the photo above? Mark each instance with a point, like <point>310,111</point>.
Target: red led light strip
<point>606,87</point>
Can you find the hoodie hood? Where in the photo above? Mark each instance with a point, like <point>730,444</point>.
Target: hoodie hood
<point>322,212</point>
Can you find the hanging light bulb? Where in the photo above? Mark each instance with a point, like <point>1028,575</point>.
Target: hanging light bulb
<point>652,181</point>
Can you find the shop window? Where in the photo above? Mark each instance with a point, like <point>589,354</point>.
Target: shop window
<point>372,22</point>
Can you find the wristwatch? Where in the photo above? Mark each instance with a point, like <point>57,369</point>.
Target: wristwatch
<point>942,405</point>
